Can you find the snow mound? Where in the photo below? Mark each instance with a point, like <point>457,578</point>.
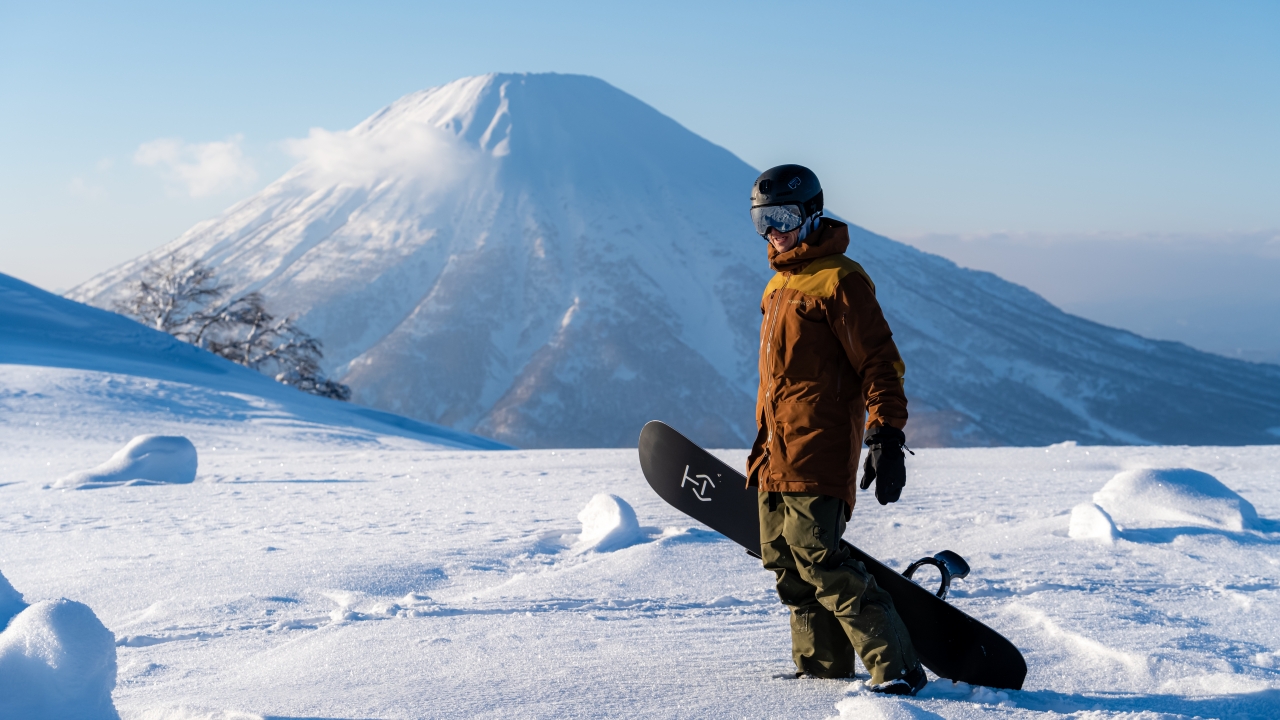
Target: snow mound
<point>1090,522</point>
<point>1174,496</point>
<point>146,460</point>
<point>57,662</point>
<point>608,523</point>
<point>10,602</point>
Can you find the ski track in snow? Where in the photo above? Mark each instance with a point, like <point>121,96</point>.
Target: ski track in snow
<point>310,573</point>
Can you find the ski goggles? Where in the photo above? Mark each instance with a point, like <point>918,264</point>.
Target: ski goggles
<point>783,218</point>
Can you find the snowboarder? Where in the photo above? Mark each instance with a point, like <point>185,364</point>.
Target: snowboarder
<point>828,369</point>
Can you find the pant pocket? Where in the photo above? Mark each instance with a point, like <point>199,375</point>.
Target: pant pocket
<point>812,521</point>
<point>772,516</point>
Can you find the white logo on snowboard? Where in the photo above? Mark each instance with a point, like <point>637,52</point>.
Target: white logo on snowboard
<point>698,489</point>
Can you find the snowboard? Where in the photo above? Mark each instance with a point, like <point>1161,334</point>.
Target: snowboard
<point>949,642</point>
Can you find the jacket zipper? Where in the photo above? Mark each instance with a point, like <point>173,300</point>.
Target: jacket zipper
<point>773,361</point>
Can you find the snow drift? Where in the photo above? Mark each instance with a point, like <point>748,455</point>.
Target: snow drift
<point>57,662</point>
<point>608,523</point>
<point>1175,496</point>
<point>547,260</point>
<point>1090,522</point>
<point>147,459</point>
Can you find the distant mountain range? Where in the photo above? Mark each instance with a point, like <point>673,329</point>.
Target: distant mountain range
<point>546,260</point>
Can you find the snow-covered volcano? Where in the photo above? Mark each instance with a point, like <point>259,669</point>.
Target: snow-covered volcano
<point>549,261</point>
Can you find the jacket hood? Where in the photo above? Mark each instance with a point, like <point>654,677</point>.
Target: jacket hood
<point>831,238</point>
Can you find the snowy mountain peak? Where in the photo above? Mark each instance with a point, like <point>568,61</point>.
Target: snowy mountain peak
<point>475,110</point>
<point>548,128</point>
<point>538,114</point>
<point>547,260</point>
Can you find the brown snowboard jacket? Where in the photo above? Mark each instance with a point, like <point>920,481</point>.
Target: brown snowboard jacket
<point>828,369</point>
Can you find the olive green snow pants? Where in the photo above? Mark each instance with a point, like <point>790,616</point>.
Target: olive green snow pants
<point>837,609</point>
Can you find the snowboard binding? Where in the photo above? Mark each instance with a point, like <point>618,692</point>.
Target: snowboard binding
<point>949,564</point>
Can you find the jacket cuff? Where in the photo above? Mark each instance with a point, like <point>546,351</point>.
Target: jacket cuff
<point>885,434</point>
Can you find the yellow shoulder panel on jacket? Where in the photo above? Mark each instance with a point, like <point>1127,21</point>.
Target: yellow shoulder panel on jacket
<point>774,283</point>
<point>820,277</point>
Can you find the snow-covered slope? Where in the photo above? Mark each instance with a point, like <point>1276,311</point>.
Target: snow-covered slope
<point>549,261</point>
<point>75,362</point>
<point>392,583</point>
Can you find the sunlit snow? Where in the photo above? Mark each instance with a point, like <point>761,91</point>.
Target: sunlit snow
<point>384,579</point>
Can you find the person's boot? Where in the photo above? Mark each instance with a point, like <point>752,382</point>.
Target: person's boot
<point>909,684</point>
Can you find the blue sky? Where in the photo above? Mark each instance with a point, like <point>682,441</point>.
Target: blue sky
<point>923,119</point>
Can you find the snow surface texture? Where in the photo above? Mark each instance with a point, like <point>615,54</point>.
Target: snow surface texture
<point>607,253</point>
<point>319,573</point>
<point>146,460</point>
<point>191,713</point>
<point>608,523</point>
<point>57,661</point>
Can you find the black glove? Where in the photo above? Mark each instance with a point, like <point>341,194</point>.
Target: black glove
<point>885,463</point>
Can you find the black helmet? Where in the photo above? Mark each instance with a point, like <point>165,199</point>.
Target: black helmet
<point>784,197</point>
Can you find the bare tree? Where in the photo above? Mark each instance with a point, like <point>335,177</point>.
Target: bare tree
<point>315,384</point>
<point>252,336</point>
<point>170,295</point>
<point>183,298</point>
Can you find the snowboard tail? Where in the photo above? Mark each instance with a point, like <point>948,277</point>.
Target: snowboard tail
<point>949,642</point>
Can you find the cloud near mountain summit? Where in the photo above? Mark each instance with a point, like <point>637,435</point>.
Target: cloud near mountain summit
<point>417,152</point>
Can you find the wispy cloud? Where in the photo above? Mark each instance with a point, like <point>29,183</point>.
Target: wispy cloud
<point>198,169</point>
